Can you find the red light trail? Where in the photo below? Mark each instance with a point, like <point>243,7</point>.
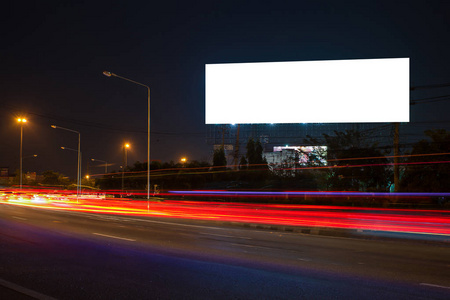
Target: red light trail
<point>420,221</point>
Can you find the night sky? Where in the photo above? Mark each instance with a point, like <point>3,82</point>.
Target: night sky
<point>53,54</point>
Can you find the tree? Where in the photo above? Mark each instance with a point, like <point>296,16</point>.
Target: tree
<point>167,175</point>
<point>54,178</point>
<point>251,153</point>
<point>243,163</point>
<point>257,164</point>
<point>431,177</point>
<point>259,159</point>
<point>219,159</point>
<point>255,153</point>
<point>357,166</point>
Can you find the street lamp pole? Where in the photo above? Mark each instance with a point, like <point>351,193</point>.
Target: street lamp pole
<point>79,158</point>
<point>79,155</point>
<point>109,74</point>
<point>79,177</point>
<point>21,140</point>
<point>21,121</point>
<point>125,163</point>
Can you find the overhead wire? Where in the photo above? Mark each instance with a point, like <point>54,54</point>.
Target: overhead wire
<point>100,125</point>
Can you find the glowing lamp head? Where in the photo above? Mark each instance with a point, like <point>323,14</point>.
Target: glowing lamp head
<point>53,126</point>
<point>21,120</point>
<point>127,145</point>
<point>183,159</point>
<point>87,176</point>
<point>106,73</point>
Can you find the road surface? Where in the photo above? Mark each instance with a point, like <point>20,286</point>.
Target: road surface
<point>48,254</point>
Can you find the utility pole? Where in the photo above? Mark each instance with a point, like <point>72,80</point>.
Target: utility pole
<point>396,153</point>
<point>236,150</point>
<point>396,134</point>
<point>223,136</point>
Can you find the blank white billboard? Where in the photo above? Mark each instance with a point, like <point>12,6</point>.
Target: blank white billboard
<point>332,91</point>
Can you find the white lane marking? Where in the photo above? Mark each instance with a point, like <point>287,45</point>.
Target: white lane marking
<point>24,290</point>
<point>114,237</point>
<point>176,224</point>
<point>435,285</point>
<point>228,236</point>
<point>19,218</point>
<point>252,246</point>
<point>148,221</point>
<point>304,259</point>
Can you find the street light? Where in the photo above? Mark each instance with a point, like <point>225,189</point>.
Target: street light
<point>79,156</point>
<point>21,121</point>
<point>106,164</point>
<point>183,161</point>
<point>109,74</point>
<point>125,163</point>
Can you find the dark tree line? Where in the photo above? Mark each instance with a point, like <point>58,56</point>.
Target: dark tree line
<point>353,165</point>
<point>427,169</point>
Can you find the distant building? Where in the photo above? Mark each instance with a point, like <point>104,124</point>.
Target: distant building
<point>284,160</point>
<point>4,172</point>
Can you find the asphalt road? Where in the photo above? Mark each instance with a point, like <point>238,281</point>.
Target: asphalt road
<point>49,254</point>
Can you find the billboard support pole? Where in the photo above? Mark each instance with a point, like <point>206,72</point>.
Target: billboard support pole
<point>396,153</point>
<point>236,150</point>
